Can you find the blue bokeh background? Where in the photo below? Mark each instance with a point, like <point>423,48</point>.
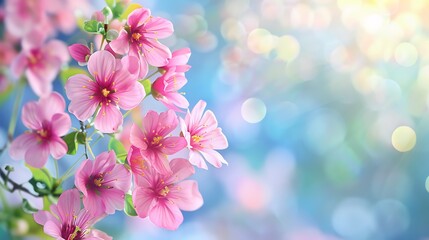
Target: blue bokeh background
<point>325,105</point>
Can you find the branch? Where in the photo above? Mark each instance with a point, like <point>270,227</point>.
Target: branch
<point>83,129</point>
<point>15,186</point>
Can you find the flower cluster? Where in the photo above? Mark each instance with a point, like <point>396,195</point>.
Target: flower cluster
<point>127,64</point>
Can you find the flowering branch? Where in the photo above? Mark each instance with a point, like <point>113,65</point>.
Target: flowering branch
<point>15,186</point>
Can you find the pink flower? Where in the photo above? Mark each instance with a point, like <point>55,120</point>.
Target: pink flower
<point>48,122</point>
<point>165,88</point>
<point>153,142</point>
<point>161,197</point>
<point>80,53</point>
<point>140,38</point>
<point>7,53</point>
<point>103,183</point>
<point>203,136</point>
<point>68,221</point>
<point>22,16</point>
<point>111,88</point>
<point>179,61</point>
<point>40,61</point>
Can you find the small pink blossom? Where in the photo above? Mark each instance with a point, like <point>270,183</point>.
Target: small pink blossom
<point>103,183</point>
<point>40,61</point>
<point>67,220</point>
<point>161,197</point>
<point>22,16</point>
<point>7,53</point>
<point>203,137</point>
<point>179,61</point>
<point>111,88</point>
<point>165,89</point>
<point>140,38</point>
<point>80,53</point>
<point>153,140</point>
<point>47,123</point>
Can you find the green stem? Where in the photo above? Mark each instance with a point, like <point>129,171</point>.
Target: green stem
<point>57,172</point>
<point>127,113</point>
<point>67,174</point>
<point>3,201</point>
<point>16,104</point>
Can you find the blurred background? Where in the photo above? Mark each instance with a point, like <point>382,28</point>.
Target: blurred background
<point>325,106</point>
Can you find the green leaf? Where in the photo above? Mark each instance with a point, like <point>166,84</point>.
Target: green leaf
<point>27,207</point>
<point>46,203</point>
<point>71,141</point>
<point>4,95</point>
<point>147,86</point>
<point>71,71</point>
<point>93,26</point>
<point>81,138</point>
<point>111,3</point>
<point>42,175</point>
<point>118,147</point>
<point>117,11</point>
<point>107,12</point>
<point>129,206</point>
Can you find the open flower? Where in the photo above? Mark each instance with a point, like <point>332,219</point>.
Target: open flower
<point>165,89</point>
<point>103,183</point>
<point>203,136</point>
<point>110,89</point>
<point>161,197</point>
<point>153,141</point>
<point>40,62</point>
<point>47,123</point>
<point>68,221</point>
<point>140,38</point>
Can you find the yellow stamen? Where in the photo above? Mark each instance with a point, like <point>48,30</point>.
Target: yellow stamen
<point>98,180</point>
<point>43,133</point>
<point>156,140</point>
<point>136,36</point>
<point>164,191</point>
<point>105,92</point>
<point>196,138</point>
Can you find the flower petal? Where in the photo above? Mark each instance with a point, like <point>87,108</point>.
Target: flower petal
<point>172,145</point>
<point>121,44</point>
<point>155,53</point>
<point>52,104</point>
<point>101,65</point>
<point>213,157</point>
<point>31,116</point>
<point>21,144</point>
<point>143,200</point>
<point>68,205</point>
<point>137,136</point>
<point>61,124</point>
<point>138,17</point>
<point>109,119</point>
<point>83,173</point>
<point>196,159</point>
<point>52,229</point>
<point>166,214</point>
<point>79,89</point>
<point>37,155</point>
<point>158,28</point>
<point>18,65</point>
<point>181,168</point>
<point>57,49</point>
<point>58,147</point>
<point>186,195</point>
